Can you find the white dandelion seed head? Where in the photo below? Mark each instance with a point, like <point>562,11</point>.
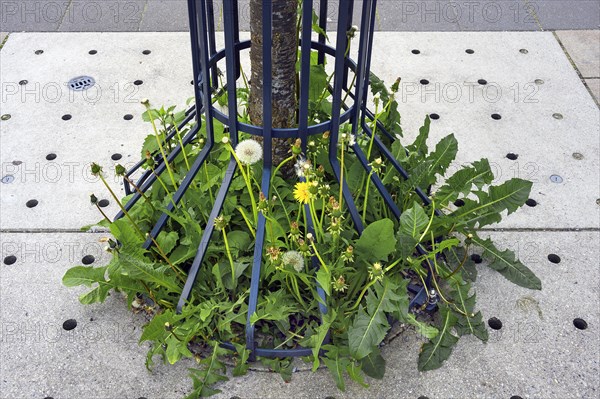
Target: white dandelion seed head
<point>352,140</point>
<point>249,151</point>
<point>294,259</point>
<point>300,166</point>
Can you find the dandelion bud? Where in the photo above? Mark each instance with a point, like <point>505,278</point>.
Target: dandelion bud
<point>220,222</point>
<point>145,102</point>
<point>297,147</point>
<point>120,170</point>
<point>340,285</point>
<point>93,199</point>
<point>168,326</point>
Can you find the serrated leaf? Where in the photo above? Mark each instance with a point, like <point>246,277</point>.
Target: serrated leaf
<point>96,295</point>
<point>167,241</point>
<point>241,362</point>
<point>211,373</point>
<point>420,144</point>
<point>436,351</point>
<point>337,366</point>
<point>413,221</point>
<point>324,279</point>
<point>505,263</point>
<point>424,329</point>
<point>377,241</point>
<point>155,329</point>
<point>444,153</point>
<point>462,182</point>
<point>84,275</point>
<point>373,364</point>
<point>315,341</point>
<point>467,321</point>
<point>371,325</point>
<point>356,373</point>
<point>509,196</point>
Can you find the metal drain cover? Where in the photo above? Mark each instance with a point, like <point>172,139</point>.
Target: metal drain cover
<point>81,83</point>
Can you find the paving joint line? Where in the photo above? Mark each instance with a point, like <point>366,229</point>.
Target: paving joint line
<point>564,49</point>
<point>64,15</point>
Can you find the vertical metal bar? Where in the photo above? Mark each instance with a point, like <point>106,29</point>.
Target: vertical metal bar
<point>210,12</point>
<point>192,13</point>
<point>342,40</point>
<point>369,53</point>
<point>307,9</point>
<point>236,35</point>
<point>206,234</point>
<point>348,27</point>
<point>266,175</point>
<point>231,62</point>
<point>323,26</point>
<point>361,82</point>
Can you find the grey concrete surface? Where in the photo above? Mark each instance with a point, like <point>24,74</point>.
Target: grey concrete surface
<point>394,15</point>
<point>594,85</point>
<point>538,353</point>
<point>584,49</point>
<point>97,129</point>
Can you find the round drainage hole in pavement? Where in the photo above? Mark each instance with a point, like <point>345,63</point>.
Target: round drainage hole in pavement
<point>70,324</point>
<point>23,82</point>
<point>81,83</point>
<point>496,117</point>
<point>459,202</point>
<point>578,156</point>
<point>93,52</point>
<point>38,52</point>
<point>66,117</point>
<point>415,51</point>
<point>88,259</point>
<point>146,52</point>
<point>128,117</point>
<point>523,51</point>
<point>516,397</point>
<point>116,156</point>
<point>557,116</point>
<point>435,117</point>
<point>469,51</point>
<point>476,258</point>
<point>31,203</point>
<point>138,82</point>
<point>5,117</point>
<point>424,82</point>
<point>10,259</point>
<point>512,156</point>
<point>8,179</point>
<point>554,258</point>
<point>580,324</point>
<point>482,82</point>
<point>495,323</point>
<point>556,179</point>
<point>51,157</point>
<point>103,203</point>
<point>538,82</point>
<point>531,202</point>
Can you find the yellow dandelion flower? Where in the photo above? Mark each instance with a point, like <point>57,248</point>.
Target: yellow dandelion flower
<point>302,192</point>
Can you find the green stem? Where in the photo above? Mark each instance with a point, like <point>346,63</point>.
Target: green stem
<point>368,184</point>
<point>122,207</point>
<point>239,208</point>
<point>312,244</point>
<point>280,165</point>
<point>160,146</point>
<point>229,257</point>
<point>103,214</point>
<point>246,180</point>
<point>136,188</point>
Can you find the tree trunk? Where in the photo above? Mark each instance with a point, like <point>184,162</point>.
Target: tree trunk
<point>284,53</point>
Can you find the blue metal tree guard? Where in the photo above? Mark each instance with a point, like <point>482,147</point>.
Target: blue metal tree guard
<point>205,59</point>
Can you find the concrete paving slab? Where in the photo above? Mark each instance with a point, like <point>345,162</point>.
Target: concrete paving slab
<point>555,15</point>
<point>583,46</point>
<point>32,16</point>
<point>538,353</point>
<point>594,85</point>
<point>167,16</point>
<point>99,358</point>
<point>100,16</point>
<point>529,125</point>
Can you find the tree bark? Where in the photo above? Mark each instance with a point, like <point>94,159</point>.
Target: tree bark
<point>284,53</point>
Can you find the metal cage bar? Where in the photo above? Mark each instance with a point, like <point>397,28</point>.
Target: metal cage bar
<point>205,60</point>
